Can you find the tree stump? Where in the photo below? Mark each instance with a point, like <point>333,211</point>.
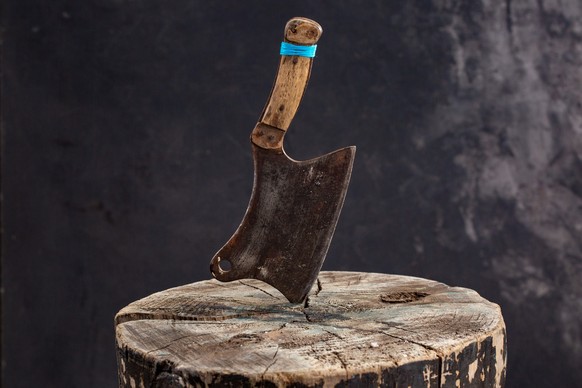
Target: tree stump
<point>355,329</point>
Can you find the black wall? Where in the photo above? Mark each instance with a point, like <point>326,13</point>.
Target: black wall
<point>126,162</point>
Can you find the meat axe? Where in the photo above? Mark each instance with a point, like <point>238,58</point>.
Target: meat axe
<point>295,205</point>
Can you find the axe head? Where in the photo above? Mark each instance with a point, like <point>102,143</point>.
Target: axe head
<point>287,229</point>
<point>294,207</point>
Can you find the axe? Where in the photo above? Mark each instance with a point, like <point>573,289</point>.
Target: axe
<point>295,205</point>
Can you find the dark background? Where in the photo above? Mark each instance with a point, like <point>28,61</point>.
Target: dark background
<point>126,162</point>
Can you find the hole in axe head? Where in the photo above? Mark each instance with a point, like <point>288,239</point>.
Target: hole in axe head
<point>224,264</point>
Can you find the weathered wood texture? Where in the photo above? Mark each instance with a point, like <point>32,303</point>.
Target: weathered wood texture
<point>290,84</point>
<point>355,329</point>
<point>293,75</point>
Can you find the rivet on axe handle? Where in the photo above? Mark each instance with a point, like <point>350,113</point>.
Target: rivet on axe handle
<point>295,205</point>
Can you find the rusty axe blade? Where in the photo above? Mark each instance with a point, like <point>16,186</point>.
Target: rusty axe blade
<point>295,205</point>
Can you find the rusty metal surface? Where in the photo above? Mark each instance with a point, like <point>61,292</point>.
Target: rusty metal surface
<point>286,232</point>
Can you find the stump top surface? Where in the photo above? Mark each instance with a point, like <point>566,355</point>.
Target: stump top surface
<point>351,324</point>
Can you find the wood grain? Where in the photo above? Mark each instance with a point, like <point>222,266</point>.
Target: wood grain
<point>355,329</point>
<point>288,90</point>
<point>290,84</point>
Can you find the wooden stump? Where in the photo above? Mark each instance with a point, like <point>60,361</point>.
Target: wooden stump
<point>355,329</point>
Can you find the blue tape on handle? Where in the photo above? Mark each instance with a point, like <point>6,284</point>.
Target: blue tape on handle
<point>301,51</point>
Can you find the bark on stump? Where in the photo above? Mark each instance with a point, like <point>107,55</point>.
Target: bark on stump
<point>355,329</point>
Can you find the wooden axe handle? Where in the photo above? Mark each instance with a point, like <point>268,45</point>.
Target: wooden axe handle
<point>290,84</point>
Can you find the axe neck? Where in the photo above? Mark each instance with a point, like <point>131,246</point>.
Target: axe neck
<point>268,137</point>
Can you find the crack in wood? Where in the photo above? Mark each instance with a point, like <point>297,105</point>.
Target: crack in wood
<point>306,306</point>
<point>258,288</point>
<point>274,360</point>
<point>281,327</point>
<point>151,315</point>
<point>344,364</point>
<point>334,334</point>
<point>390,326</point>
<point>427,347</point>
<point>169,344</point>
<point>439,355</point>
<point>308,300</point>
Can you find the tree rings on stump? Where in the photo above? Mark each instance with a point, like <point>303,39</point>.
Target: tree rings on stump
<point>354,330</point>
